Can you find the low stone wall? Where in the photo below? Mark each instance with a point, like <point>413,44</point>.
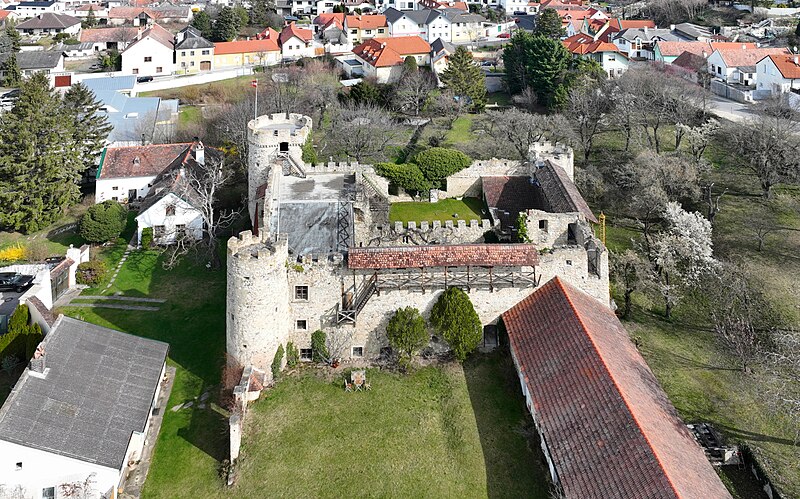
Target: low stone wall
<point>428,232</point>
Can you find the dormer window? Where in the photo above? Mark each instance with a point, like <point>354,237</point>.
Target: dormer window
<point>170,210</point>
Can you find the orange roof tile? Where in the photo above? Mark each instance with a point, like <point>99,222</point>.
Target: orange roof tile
<point>366,22</point>
<point>382,52</point>
<point>609,427</point>
<point>293,31</point>
<point>246,46</point>
<point>119,34</point>
<point>788,65</point>
<point>585,44</point>
<point>439,255</point>
<point>743,56</point>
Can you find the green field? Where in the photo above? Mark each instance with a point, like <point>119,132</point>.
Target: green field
<point>446,209</point>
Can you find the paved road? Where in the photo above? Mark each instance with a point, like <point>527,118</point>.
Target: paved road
<point>730,110</point>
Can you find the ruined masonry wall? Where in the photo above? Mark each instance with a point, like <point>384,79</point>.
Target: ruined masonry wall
<point>421,233</point>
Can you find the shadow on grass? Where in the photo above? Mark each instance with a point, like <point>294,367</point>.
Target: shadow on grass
<point>515,464</point>
<point>757,437</point>
<point>207,431</point>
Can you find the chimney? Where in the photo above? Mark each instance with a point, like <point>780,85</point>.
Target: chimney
<point>705,55</point>
<point>37,364</point>
<point>199,151</point>
<point>136,160</point>
<point>796,60</point>
<point>645,31</point>
<point>672,27</point>
<point>744,46</point>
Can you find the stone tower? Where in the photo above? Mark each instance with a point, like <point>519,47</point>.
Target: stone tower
<point>273,140</point>
<point>258,297</point>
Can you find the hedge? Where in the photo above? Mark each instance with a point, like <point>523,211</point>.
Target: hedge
<point>438,163</point>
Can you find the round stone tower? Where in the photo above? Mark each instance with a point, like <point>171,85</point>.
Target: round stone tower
<point>258,298</point>
<point>269,137</point>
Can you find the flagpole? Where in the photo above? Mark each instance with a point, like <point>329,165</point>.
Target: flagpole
<point>255,84</point>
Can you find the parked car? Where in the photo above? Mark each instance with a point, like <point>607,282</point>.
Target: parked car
<point>504,35</point>
<point>14,281</point>
<point>144,79</point>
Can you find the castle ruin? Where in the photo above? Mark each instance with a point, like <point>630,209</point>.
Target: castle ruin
<point>323,255</point>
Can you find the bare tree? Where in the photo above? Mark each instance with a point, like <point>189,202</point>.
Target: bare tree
<point>520,129</point>
<point>79,489</point>
<point>782,363</point>
<point>631,271</point>
<point>362,131</point>
<point>712,202</point>
<point>202,184</point>
<point>447,105</point>
<point>412,91</point>
<point>527,99</point>
<point>588,107</point>
<point>623,97</point>
<point>766,218</point>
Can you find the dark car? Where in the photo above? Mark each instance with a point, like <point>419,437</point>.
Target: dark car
<point>14,281</point>
<point>144,79</point>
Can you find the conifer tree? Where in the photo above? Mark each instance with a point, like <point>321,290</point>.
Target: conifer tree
<point>259,13</point>
<point>202,21</point>
<point>91,19</point>
<point>454,317</point>
<point>226,26</point>
<point>13,35</point>
<point>548,24</point>
<point>39,170</point>
<point>465,79</point>
<point>12,72</point>
<point>90,128</point>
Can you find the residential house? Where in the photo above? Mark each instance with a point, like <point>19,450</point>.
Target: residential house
<point>99,11</point>
<point>25,10</point>
<point>738,65</point>
<point>604,29</point>
<point>382,58</point>
<point>443,4</point>
<point>440,53</point>
<point>82,410</point>
<point>7,14</point>
<point>464,27</point>
<point>358,28</point>
<point>329,27</point>
<point>126,174</point>
<point>606,54</point>
<point>145,16</point>
<point>383,5</point>
<point>49,23</point>
<point>193,53</point>
<point>152,54</point>
<point>639,43</point>
<point>692,32</point>
<point>597,406</point>
<point>80,50</point>
<point>247,53</point>
<point>779,73</point>
<point>47,61</point>
<point>421,23</point>
<point>689,66</point>
<point>296,42</point>
<point>325,6</point>
<point>173,208</point>
<point>116,38</point>
<point>668,51</point>
<point>134,120</point>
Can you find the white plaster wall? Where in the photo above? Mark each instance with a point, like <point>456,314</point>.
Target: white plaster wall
<point>133,58</point>
<point>185,215</point>
<point>405,27</point>
<point>295,48</point>
<point>769,78</point>
<point>43,469</point>
<point>104,188</point>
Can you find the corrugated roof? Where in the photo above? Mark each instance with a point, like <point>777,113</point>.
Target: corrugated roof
<point>610,429</point>
<point>98,391</point>
<point>498,255</point>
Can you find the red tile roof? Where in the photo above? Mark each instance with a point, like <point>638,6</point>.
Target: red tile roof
<point>331,19</point>
<point>620,24</point>
<point>159,34</point>
<point>119,34</point>
<point>788,65</point>
<point>139,161</point>
<point>366,22</point>
<point>291,30</point>
<point>585,44</point>
<point>737,57</point>
<point>4,13</point>
<point>677,48</point>
<point>405,257</point>
<point>383,52</point>
<point>246,46</point>
<point>610,429</point>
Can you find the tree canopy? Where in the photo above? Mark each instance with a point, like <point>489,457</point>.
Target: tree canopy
<point>454,317</point>
<point>465,79</point>
<point>103,222</point>
<point>548,24</point>
<point>438,163</point>
<point>407,333</point>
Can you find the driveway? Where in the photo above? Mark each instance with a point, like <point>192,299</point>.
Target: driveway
<point>730,110</point>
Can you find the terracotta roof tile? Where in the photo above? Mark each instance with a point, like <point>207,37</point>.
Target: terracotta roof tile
<point>384,52</point>
<point>788,65</point>
<point>246,46</point>
<point>119,34</point>
<point>509,255</point>
<point>735,57</point>
<point>366,22</point>
<point>610,429</point>
<point>585,44</point>
<point>139,161</point>
<point>291,30</point>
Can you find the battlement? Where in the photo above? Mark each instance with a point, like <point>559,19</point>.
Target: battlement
<point>484,224</point>
<point>262,247</point>
<point>270,130</point>
<point>557,152</point>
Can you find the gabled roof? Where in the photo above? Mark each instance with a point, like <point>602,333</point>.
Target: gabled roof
<point>192,39</point>
<point>98,391</point>
<point>36,59</point>
<point>383,52</point>
<point>373,21</point>
<point>690,61</point>
<point>788,65</point>
<point>336,19</point>
<point>118,34</point>
<point>561,194</point>
<point>609,428</point>
<point>461,255</point>
<point>157,33</point>
<point>291,30</point>
<point>166,12</point>
<point>48,3</point>
<point>507,196</point>
<point>648,34</point>
<point>619,24</point>
<point>674,48</point>
<point>736,57</point>
<point>246,47</point>
<point>424,16</point>
<point>439,46</point>
<point>49,20</point>
<point>585,44</point>
<point>459,16</point>
<point>140,161</point>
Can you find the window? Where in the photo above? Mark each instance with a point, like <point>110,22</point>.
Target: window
<point>191,63</point>
<point>357,352</point>
<point>115,188</point>
<point>306,354</point>
<point>183,64</point>
<point>206,52</point>
<point>180,231</point>
<point>114,198</point>
<point>543,225</point>
<point>148,59</point>
<point>301,324</point>
<point>367,31</point>
<point>183,53</point>
<point>49,493</point>
<point>170,210</point>
<point>159,69</point>
<point>136,71</point>
<point>19,466</point>
<point>191,52</point>
<point>301,292</point>
<point>158,231</point>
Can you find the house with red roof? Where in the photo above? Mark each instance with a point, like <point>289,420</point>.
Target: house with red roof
<point>152,54</point>
<point>113,38</point>
<point>255,52</point>
<point>667,51</point>
<point>608,55</point>
<point>329,27</point>
<point>606,427</point>
<point>382,58</point>
<point>779,73</point>
<point>297,42</point>
<point>738,64</point>
<point>358,28</point>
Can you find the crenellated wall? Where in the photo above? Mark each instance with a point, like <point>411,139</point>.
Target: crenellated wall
<point>425,232</point>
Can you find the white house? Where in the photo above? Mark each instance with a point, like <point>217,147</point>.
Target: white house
<point>117,38</point>
<point>411,22</point>
<point>738,65</point>
<point>30,9</point>
<point>382,58</point>
<point>81,411</point>
<point>152,54</point>
<point>126,174</point>
<point>296,42</point>
<point>48,23</point>
<point>778,73</point>
<point>608,55</point>
<point>173,206</point>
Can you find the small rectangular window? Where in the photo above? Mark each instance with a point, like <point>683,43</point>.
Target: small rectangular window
<point>191,52</point>
<point>180,231</point>
<point>148,59</point>
<point>301,292</point>
<point>306,354</point>
<point>158,231</point>
<point>206,52</point>
<point>301,324</point>
<point>183,53</point>
<point>19,465</point>
<point>115,188</point>
<point>159,69</point>
<point>357,352</point>
<point>543,225</point>
<point>170,210</point>
<point>135,71</point>
<point>49,493</point>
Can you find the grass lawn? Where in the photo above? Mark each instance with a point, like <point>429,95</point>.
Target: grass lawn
<point>192,442</point>
<point>461,131</point>
<point>466,209</point>
<point>439,432</point>
<point>56,238</point>
<point>189,116</point>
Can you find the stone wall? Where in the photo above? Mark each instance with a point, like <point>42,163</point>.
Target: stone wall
<point>416,234</point>
<point>556,152</point>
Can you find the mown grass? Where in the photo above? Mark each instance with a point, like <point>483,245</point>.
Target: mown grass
<point>445,209</point>
<point>439,432</point>
<point>461,131</point>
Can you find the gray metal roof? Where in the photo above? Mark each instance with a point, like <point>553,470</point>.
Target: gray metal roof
<point>440,45</point>
<point>36,59</point>
<point>632,34</point>
<point>424,16</point>
<point>98,391</point>
<point>190,38</point>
